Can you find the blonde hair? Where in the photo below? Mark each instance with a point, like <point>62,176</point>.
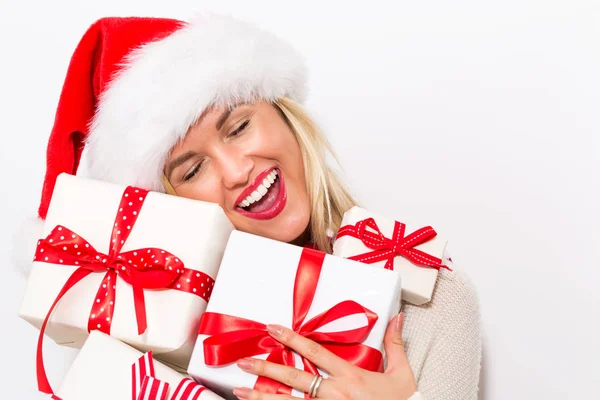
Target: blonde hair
<point>329,198</point>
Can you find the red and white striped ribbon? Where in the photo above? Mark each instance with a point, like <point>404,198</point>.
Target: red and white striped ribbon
<point>145,386</point>
<point>153,389</point>
<point>188,389</point>
<point>142,368</point>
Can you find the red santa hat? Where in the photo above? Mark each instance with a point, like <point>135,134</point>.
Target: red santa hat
<point>135,85</point>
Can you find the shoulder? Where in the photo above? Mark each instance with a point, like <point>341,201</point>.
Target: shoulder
<point>455,310</point>
<point>455,293</point>
<point>443,338</point>
<point>452,314</point>
<point>454,307</point>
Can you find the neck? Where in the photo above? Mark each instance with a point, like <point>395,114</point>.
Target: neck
<point>304,238</point>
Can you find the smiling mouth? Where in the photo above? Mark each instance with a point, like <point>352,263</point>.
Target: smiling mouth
<point>268,198</point>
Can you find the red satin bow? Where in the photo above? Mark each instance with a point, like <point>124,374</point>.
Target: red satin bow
<point>145,386</point>
<point>147,268</point>
<point>233,338</point>
<point>387,249</point>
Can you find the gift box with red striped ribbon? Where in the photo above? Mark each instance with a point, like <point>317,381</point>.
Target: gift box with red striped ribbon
<point>106,368</point>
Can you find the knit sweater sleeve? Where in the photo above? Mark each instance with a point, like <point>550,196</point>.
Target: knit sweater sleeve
<point>451,367</point>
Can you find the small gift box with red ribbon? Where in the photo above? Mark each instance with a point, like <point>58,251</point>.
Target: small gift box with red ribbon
<point>415,251</point>
<point>342,304</point>
<point>134,264</point>
<point>107,368</point>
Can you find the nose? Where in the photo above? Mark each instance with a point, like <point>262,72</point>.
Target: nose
<point>235,168</point>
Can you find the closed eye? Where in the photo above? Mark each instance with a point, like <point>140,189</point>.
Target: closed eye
<point>239,130</point>
<point>198,165</point>
<point>193,172</point>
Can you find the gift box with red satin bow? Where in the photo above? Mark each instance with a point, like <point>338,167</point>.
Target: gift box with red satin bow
<point>134,264</point>
<point>344,305</point>
<point>107,368</point>
<point>415,251</point>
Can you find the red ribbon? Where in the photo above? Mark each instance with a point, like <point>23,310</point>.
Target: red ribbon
<point>145,386</point>
<point>387,249</point>
<point>147,268</point>
<point>232,338</point>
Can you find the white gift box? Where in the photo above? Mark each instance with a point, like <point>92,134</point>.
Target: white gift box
<point>418,282</point>
<point>256,282</point>
<point>103,370</point>
<point>196,232</point>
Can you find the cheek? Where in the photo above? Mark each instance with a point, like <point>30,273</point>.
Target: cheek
<point>205,191</point>
<point>274,140</point>
<point>286,150</point>
<point>300,215</point>
<point>296,169</point>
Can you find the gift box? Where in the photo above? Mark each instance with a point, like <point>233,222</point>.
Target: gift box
<point>413,250</point>
<point>263,281</point>
<point>107,368</point>
<point>134,264</point>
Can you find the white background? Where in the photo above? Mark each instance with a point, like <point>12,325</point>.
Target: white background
<point>480,118</point>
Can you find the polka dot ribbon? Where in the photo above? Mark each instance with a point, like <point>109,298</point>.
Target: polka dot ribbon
<point>145,386</point>
<point>146,268</point>
<point>387,249</point>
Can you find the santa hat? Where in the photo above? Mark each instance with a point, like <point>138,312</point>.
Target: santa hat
<point>134,87</point>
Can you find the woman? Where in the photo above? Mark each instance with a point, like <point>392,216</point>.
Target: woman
<point>210,110</point>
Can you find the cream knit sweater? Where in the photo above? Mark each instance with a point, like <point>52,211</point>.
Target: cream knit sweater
<point>443,340</point>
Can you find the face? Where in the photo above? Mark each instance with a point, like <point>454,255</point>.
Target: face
<point>248,161</point>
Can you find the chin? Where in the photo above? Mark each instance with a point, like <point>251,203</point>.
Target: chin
<point>293,230</point>
<point>289,236</point>
<point>285,231</point>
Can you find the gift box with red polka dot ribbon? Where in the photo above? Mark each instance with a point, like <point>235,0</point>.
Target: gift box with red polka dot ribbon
<point>134,264</point>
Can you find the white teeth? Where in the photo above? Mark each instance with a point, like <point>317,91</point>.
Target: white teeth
<point>260,191</point>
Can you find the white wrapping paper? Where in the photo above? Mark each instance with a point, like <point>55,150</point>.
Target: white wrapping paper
<point>102,371</point>
<point>256,282</point>
<point>194,231</point>
<point>418,282</point>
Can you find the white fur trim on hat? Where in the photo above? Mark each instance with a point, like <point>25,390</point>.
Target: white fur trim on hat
<point>166,85</point>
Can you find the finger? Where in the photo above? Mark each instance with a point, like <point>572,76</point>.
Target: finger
<point>250,394</point>
<point>289,376</point>
<point>394,345</point>
<point>320,356</point>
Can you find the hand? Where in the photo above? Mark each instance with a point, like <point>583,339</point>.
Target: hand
<point>346,381</point>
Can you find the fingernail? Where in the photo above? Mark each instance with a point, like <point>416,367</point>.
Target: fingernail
<point>399,322</point>
<point>241,393</point>
<point>245,363</point>
<point>275,330</point>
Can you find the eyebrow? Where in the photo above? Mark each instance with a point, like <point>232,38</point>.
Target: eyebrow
<point>178,161</point>
<point>226,115</point>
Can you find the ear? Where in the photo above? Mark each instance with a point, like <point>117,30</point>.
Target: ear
<point>24,243</point>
